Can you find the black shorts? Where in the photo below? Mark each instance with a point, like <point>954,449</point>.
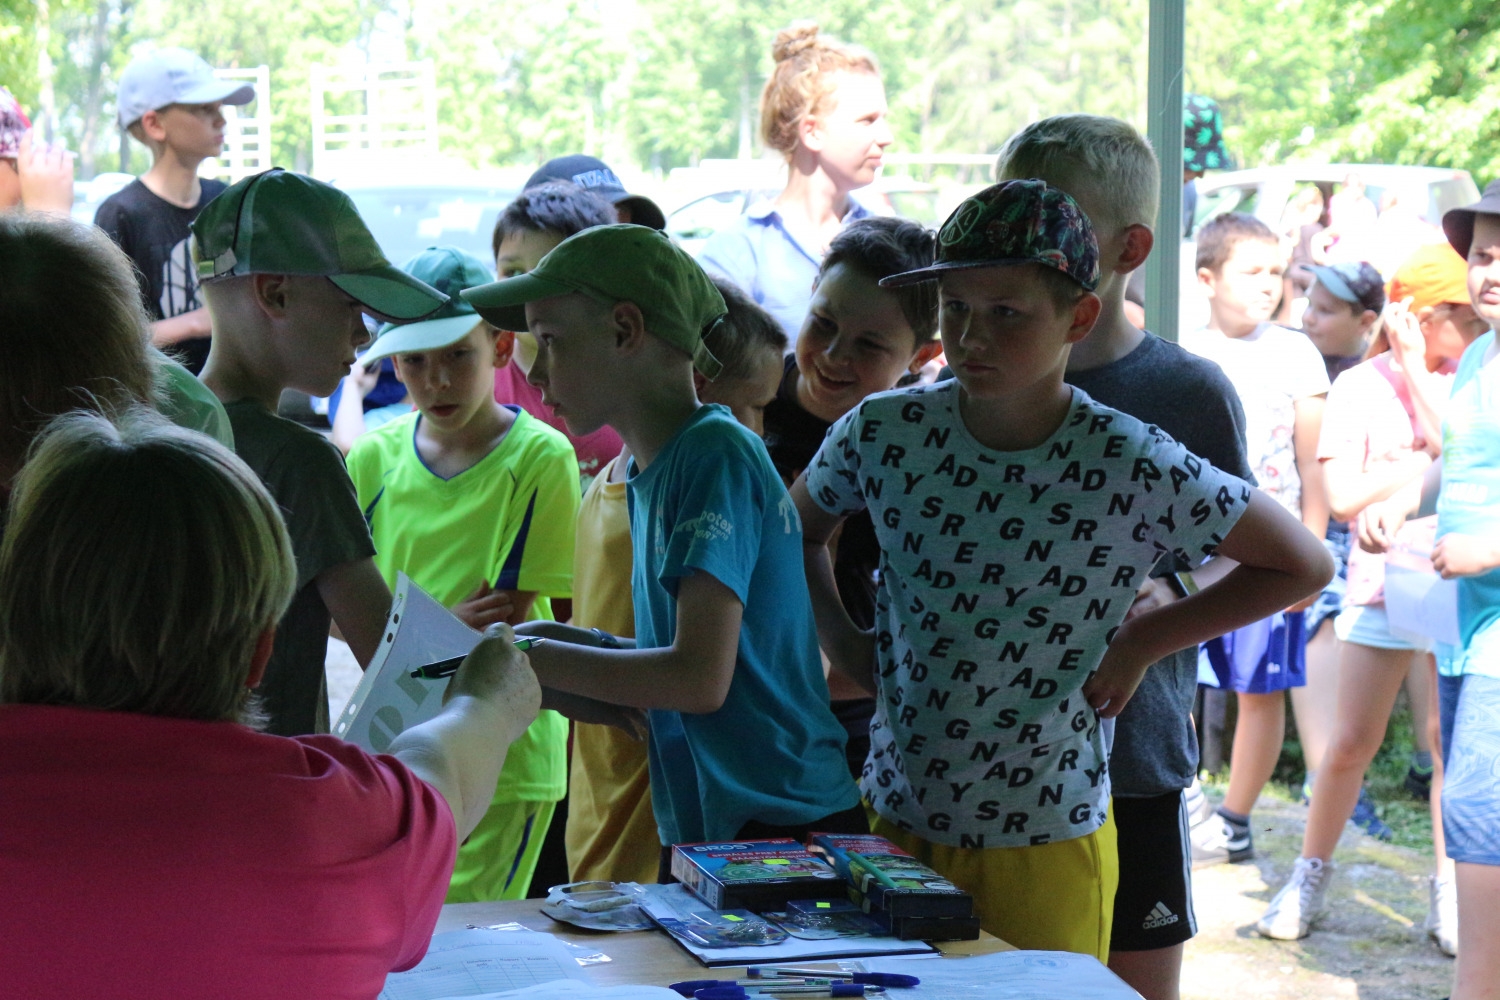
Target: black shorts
<point>1154,904</point>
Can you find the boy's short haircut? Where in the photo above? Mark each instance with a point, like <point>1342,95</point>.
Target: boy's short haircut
<point>879,247</point>
<point>141,566</point>
<point>560,207</point>
<point>1218,238</point>
<point>92,352</point>
<point>1104,158</point>
<point>746,331</point>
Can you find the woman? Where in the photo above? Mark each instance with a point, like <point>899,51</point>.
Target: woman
<point>1380,434</point>
<point>824,110</point>
<point>151,845</point>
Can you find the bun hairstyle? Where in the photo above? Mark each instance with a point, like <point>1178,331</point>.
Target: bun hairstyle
<point>803,81</point>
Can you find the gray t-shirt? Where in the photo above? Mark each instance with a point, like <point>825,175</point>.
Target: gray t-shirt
<point>1156,748</point>
<point>306,477</point>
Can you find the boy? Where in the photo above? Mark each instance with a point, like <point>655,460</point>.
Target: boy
<point>539,219</point>
<point>1155,751</point>
<point>857,339</point>
<point>988,758</point>
<point>742,741</point>
<point>289,271</point>
<point>1282,383</point>
<point>1468,548</point>
<point>611,832</point>
<point>171,103</point>
<point>1344,302</point>
<point>465,490</point>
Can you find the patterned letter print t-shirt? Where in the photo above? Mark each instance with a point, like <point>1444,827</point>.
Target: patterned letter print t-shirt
<point>1003,577</point>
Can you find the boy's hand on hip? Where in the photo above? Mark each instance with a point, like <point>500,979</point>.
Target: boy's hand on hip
<point>484,607</point>
<point>1114,682</point>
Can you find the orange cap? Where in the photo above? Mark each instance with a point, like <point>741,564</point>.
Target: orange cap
<point>1434,274</point>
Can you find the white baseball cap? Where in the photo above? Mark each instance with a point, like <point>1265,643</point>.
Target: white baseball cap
<point>174,76</point>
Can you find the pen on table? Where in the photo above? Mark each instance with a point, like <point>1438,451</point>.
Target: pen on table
<point>734,991</point>
<point>771,973</point>
<point>449,667</point>
<point>874,870</point>
<point>877,981</point>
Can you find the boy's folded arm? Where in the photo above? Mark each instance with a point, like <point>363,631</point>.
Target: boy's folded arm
<point>691,675</point>
<point>1279,563</point>
<point>850,649</point>
<point>359,601</point>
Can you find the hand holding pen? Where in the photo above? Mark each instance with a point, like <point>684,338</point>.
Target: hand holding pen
<point>447,668</point>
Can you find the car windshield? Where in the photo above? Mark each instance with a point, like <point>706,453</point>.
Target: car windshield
<point>407,220</point>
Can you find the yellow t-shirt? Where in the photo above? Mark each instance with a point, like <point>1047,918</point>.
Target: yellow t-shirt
<point>507,520</point>
<point>611,831</point>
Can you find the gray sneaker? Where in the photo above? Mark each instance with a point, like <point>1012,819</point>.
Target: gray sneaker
<point>1299,903</point>
<point>1216,841</point>
<point>1442,916</point>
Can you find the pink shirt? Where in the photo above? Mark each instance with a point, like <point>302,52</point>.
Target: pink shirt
<point>152,857</point>
<point>1369,421</point>
<point>593,450</point>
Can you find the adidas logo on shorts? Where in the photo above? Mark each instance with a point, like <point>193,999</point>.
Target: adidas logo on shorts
<point>1160,917</point>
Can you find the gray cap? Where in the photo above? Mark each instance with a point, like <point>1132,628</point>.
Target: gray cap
<point>173,76</point>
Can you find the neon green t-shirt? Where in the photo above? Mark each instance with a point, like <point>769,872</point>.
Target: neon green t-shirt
<point>508,520</point>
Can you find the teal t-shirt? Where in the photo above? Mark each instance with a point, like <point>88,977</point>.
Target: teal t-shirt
<point>711,502</point>
<point>1470,499</point>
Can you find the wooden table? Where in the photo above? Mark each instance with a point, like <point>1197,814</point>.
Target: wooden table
<point>639,957</point>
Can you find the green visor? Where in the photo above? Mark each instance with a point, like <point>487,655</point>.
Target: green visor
<point>449,270</point>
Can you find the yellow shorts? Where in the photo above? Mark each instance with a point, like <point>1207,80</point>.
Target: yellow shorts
<point>1052,897</point>
<point>499,858</point>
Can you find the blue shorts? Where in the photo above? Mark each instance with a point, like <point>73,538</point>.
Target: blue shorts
<point>1471,780</point>
<point>1266,656</point>
<point>1367,625</point>
<point>1332,598</point>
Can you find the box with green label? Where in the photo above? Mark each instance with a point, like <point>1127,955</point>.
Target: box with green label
<point>754,875</point>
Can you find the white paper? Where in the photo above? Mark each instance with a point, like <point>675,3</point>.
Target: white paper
<point>1421,604</point>
<point>569,989</point>
<point>475,962</point>
<point>388,699</point>
<point>674,902</point>
<point>1007,975</point>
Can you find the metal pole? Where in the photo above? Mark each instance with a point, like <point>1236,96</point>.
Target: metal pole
<point>1164,129</point>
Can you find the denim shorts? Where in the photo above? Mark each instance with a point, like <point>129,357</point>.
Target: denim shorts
<point>1367,625</point>
<point>1471,780</point>
<point>1332,598</point>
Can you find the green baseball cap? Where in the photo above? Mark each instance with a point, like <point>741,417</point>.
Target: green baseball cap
<point>450,271</point>
<point>278,222</point>
<point>612,264</point>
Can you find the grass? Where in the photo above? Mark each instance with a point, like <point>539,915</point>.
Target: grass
<point>1408,817</point>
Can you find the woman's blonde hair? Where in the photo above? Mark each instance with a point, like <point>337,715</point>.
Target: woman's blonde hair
<point>140,565</point>
<point>75,334</point>
<point>803,81</point>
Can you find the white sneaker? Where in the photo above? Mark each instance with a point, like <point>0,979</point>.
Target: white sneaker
<point>1299,903</point>
<point>1442,916</point>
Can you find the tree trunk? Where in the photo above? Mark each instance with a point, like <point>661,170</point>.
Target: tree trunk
<point>88,142</point>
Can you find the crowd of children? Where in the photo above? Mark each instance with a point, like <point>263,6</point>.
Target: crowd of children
<point>788,583</point>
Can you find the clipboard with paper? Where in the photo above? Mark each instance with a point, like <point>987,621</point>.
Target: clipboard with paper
<point>388,700</point>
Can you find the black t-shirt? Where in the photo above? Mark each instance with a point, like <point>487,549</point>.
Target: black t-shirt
<point>154,234</point>
<point>793,437</point>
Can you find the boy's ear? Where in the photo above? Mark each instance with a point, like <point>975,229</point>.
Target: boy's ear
<point>1139,240</point>
<point>1085,315</point>
<point>1368,319</point>
<point>152,127</point>
<point>1207,279</point>
<point>924,354</point>
<point>505,346</point>
<point>270,293</point>
<point>628,326</point>
<point>700,381</point>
